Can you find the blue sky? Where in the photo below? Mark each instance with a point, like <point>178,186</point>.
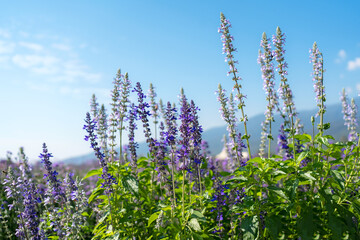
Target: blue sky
<point>54,55</point>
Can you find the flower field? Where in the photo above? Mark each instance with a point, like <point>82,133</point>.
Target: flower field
<point>307,189</point>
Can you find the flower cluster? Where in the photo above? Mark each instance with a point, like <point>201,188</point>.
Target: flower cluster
<point>90,128</point>
<point>51,176</point>
<point>349,111</point>
<point>284,90</point>
<point>265,60</point>
<point>316,59</point>
<point>132,144</point>
<point>143,113</point>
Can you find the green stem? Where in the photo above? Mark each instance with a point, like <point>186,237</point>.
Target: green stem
<point>269,138</point>
<point>183,196</point>
<point>173,177</point>
<point>242,109</point>
<point>201,203</point>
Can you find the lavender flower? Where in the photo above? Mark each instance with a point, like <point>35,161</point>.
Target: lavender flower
<point>114,119</point>
<point>124,100</point>
<point>170,122</point>
<point>123,103</point>
<point>349,111</point>
<point>132,144</point>
<point>154,107</point>
<point>196,131</point>
<point>227,111</point>
<point>284,90</point>
<point>220,198</point>
<point>102,130</point>
<point>161,154</point>
<point>228,49</point>
<point>162,109</point>
<point>94,107</point>
<point>283,146</point>
<point>143,114</point>
<point>75,206</point>
<point>267,68</point>
<point>30,214</point>
<point>316,59</point>
<point>51,175</point>
<point>90,129</point>
<point>185,134</point>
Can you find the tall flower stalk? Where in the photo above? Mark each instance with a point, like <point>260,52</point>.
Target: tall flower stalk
<point>184,142</point>
<point>114,117</point>
<point>284,90</point>
<point>154,107</point>
<point>123,103</point>
<point>171,132</point>
<point>267,68</point>
<point>228,50</point>
<point>109,180</point>
<point>227,111</point>
<point>132,144</point>
<point>316,58</point>
<point>350,111</point>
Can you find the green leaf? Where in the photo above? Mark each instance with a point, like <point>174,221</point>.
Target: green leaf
<point>356,206</point>
<point>326,126</point>
<point>225,174</point>
<point>98,191</point>
<point>131,184</point>
<point>308,176</point>
<point>93,172</point>
<point>278,191</point>
<point>303,137</point>
<point>250,227</point>
<point>194,224</point>
<point>279,175</point>
<point>301,157</point>
<point>198,215</point>
<point>153,217</point>
<point>255,160</point>
<point>305,223</point>
<point>274,225</point>
<point>339,178</point>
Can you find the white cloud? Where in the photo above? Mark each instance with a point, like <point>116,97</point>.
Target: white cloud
<point>36,63</point>
<point>4,33</point>
<point>32,46</point>
<point>341,56</point>
<point>352,65</point>
<point>6,47</point>
<point>60,46</point>
<point>52,57</point>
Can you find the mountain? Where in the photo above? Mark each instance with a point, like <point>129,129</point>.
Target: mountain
<point>214,136</point>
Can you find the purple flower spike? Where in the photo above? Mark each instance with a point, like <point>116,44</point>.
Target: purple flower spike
<point>132,144</point>
<point>316,59</point>
<point>52,180</point>
<point>267,68</point>
<point>90,128</point>
<point>350,111</point>
<point>143,113</point>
